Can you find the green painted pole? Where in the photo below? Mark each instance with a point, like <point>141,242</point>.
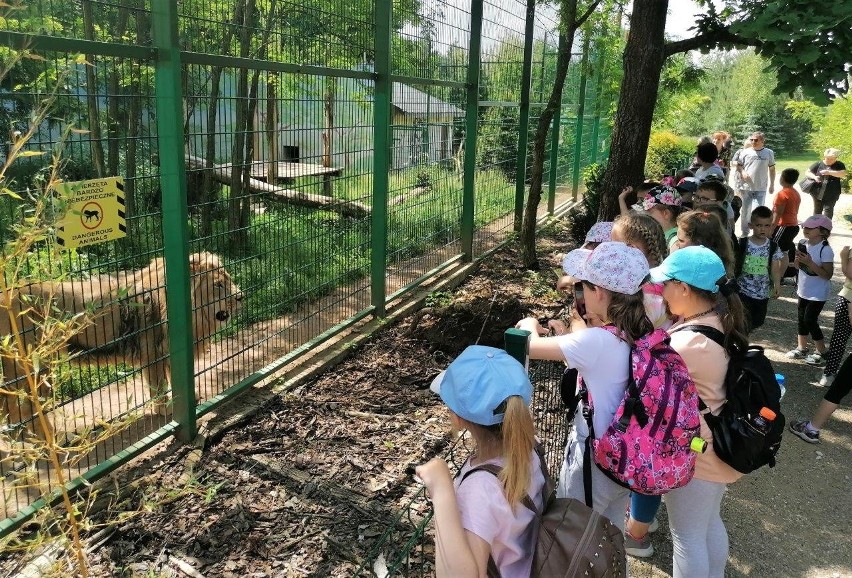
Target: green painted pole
<point>381,155</point>
<point>581,110</point>
<point>524,117</point>
<point>596,122</point>
<point>517,343</point>
<point>169,103</point>
<point>470,126</point>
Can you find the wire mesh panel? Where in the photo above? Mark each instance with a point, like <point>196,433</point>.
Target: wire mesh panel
<point>242,138</point>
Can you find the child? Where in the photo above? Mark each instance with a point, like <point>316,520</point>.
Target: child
<point>707,154</point>
<point>700,293</point>
<point>600,232</point>
<point>815,261</point>
<point>712,191</point>
<point>612,276</point>
<point>641,231</point>
<point>630,196</point>
<point>785,216</point>
<point>704,227</point>
<point>481,516</point>
<point>664,203</point>
<point>840,388</point>
<point>842,322</point>
<point>758,268</point>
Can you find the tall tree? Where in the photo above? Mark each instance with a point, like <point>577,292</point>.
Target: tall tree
<point>570,20</point>
<point>807,48</point>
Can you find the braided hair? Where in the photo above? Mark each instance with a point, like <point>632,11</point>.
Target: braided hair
<point>642,228</point>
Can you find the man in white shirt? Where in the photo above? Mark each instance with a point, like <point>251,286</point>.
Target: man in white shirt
<point>755,167</point>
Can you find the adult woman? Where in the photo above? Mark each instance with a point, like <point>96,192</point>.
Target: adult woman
<point>697,289</point>
<point>827,172</point>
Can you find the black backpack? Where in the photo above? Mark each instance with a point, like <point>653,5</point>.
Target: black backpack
<point>750,385</point>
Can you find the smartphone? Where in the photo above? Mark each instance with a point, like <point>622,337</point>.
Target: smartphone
<point>579,300</point>
<point>802,246</point>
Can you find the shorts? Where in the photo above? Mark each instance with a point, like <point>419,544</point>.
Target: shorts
<point>783,235</point>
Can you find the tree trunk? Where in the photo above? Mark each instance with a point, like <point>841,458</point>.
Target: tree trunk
<point>240,125</point>
<point>644,55</point>
<point>114,113</point>
<point>95,142</point>
<point>328,134</point>
<point>568,27</point>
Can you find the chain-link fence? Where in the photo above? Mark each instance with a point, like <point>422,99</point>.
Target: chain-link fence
<point>293,165</point>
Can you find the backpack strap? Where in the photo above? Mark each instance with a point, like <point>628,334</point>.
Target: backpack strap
<point>495,470</point>
<point>773,246</point>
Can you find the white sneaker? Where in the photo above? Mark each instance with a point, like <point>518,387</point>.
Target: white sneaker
<point>796,354</point>
<point>823,381</point>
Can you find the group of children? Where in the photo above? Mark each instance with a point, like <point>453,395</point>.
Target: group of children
<point>668,261</point>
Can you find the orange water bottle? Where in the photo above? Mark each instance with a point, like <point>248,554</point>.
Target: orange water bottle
<point>762,422</point>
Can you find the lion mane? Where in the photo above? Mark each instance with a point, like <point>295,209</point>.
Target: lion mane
<point>128,320</point>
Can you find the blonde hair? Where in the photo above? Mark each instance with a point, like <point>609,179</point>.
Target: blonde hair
<point>643,228</point>
<point>516,435</point>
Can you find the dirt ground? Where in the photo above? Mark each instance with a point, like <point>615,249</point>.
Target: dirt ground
<point>308,485</point>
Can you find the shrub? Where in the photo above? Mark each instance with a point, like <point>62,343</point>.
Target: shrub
<point>583,216</point>
<point>667,153</point>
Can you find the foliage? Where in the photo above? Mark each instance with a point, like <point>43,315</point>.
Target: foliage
<point>667,153</point>
<point>583,216</point>
<point>836,130</point>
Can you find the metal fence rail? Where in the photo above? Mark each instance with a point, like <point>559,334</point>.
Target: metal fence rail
<point>326,155</point>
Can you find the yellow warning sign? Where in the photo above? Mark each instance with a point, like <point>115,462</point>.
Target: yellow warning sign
<point>95,212</point>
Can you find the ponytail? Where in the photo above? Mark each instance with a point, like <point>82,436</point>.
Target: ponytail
<point>518,435</point>
<point>628,314</point>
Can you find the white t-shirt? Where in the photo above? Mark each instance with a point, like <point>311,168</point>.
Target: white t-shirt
<point>702,173</point>
<point>603,360</point>
<point>812,287</point>
<point>486,512</point>
<point>756,165</point>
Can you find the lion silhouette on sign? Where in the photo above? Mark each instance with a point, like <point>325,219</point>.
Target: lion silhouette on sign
<point>128,321</point>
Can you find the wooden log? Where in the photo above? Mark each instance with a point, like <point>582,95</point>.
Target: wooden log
<point>222,173</point>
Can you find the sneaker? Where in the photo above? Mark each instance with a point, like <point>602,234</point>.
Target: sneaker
<point>799,428</point>
<point>789,281</point>
<point>796,353</point>
<point>638,548</point>
<point>655,525</point>
<point>823,381</point>
<point>815,358</point>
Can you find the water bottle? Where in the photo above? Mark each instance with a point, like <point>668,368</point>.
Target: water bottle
<point>763,420</point>
<point>780,379</point>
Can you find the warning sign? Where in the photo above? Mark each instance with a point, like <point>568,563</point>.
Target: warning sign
<point>95,212</point>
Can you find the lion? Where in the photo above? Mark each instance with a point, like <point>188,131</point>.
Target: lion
<point>128,321</point>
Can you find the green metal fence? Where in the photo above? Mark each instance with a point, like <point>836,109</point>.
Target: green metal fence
<point>327,155</point>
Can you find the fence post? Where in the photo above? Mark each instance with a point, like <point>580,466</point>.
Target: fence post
<point>581,111</point>
<point>517,344</point>
<point>169,106</point>
<point>381,155</point>
<point>524,117</point>
<point>470,127</point>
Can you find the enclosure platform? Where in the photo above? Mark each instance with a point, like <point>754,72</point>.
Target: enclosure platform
<point>291,171</point>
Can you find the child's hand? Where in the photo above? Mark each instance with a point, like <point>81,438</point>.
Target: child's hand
<point>625,191</point>
<point>558,327</point>
<point>532,325</point>
<point>844,252</point>
<point>435,475</point>
<point>776,290</point>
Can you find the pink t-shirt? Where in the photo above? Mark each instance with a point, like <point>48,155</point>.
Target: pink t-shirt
<point>486,512</point>
<point>655,305</point>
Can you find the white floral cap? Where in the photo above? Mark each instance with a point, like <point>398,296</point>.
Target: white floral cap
<point>611,265</point>
<point>599,233</point>
<point>660,195</point>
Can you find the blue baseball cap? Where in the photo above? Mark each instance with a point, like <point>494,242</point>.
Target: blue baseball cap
<point>478,382</point>
<point>697,266</point>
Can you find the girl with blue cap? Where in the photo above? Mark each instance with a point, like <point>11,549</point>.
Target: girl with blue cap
<point>486,519</point>
<point>697,289</point>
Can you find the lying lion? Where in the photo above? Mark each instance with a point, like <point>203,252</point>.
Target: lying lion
<point>128,321</point>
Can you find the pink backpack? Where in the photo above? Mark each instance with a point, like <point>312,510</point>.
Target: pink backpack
<point>646,448</point>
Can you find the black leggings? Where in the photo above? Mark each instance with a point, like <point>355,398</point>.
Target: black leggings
<point>839,336</point>
<point>809,318</point>
<point>842,383</point>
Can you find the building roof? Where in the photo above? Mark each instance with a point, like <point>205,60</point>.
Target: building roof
<point>415,102</point>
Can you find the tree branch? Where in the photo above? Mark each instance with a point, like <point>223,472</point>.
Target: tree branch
<point>582,19</point>
<point>708,39</point>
